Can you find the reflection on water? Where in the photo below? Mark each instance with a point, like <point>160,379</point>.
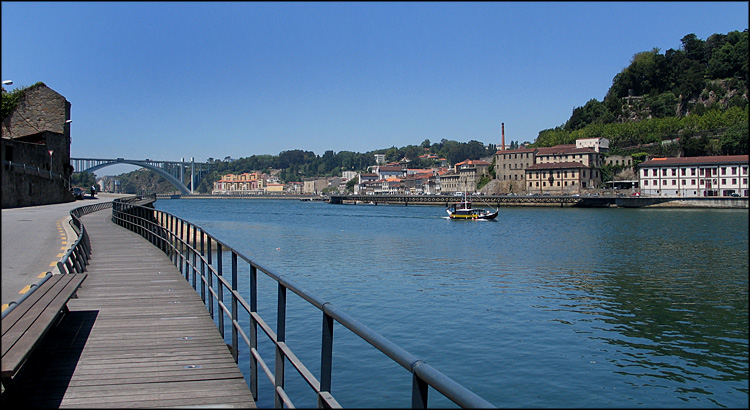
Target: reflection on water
<point>544,308</point>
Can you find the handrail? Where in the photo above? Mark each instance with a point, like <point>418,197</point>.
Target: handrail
<point>35,169</point>
<point>192,249</point>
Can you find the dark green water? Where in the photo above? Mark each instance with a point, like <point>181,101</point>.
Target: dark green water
<point>544,307</point>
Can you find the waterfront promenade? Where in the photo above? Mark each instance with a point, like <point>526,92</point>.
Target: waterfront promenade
<point>138,335</point>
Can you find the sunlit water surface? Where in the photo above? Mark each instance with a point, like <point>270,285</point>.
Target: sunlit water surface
<point>543,307</point>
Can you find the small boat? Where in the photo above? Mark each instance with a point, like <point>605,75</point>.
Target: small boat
<point>463,210</point>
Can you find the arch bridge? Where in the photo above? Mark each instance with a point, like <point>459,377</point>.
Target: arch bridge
<point>172,171</point>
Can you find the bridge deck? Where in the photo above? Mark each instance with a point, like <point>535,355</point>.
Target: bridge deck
<point>137,336</point>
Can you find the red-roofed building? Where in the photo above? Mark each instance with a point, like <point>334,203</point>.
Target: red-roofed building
<point>694,176</point>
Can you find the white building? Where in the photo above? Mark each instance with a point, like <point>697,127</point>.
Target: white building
<point>694,176</point>
<point>599,144</point>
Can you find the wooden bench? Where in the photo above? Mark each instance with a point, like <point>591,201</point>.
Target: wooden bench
<point>27,324</point>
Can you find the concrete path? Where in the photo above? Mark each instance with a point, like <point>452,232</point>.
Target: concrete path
<point>34,238</point>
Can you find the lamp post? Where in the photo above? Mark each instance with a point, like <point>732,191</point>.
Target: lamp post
<point>67,122</point>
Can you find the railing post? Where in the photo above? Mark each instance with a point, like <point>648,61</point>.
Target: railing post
<point>326,356</point>
<point>183,268</point>
<point>419,390</point>
<point>253,331</point>
<point>172,236</point>
<point>235,311</point>
<point>280,338</point>
<point>220,273</point>
<point>194,251</point>
<point>203,270</point>
<point>210,278</point>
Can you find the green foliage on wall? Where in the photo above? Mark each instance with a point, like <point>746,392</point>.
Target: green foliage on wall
<point>11,99</point>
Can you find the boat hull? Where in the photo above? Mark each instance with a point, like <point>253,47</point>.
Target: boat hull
<point>463,210</point>
<point>472,215</point>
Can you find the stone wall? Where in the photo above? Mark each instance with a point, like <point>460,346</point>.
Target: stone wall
<point>41,109</point>
<point>27,185</point>
<point>37,125</point>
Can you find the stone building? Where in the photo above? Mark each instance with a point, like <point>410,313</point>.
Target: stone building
<point>557,170</point>
<point>314,186</point>
<point>36,149</point>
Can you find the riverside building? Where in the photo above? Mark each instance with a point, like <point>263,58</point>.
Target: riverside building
<point>694,176</point>
<point>558,170</point>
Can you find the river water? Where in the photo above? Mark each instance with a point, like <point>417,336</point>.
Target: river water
<point>543,307</point>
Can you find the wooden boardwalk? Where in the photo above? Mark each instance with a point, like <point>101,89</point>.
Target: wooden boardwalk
<point>137,336</point>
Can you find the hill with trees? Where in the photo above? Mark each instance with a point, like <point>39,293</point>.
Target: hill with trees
<point>695,96</point>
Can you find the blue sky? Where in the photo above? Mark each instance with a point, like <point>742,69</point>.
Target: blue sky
<point>166,80</point>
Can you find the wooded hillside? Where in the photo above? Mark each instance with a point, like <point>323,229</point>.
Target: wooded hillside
<point>699,90</point>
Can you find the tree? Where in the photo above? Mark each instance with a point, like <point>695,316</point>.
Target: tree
<point>83,179</point>
<point>663,105</point>
<point>593,112</point>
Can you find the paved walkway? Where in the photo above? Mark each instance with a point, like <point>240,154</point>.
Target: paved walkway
<point>138,335</point>
<point>34,238</point>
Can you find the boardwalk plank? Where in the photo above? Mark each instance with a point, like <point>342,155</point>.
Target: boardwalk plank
<point>137,336</point>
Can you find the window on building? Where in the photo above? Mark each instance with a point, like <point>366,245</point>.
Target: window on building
<point>734,170</point>
<point>723,170</point>
<point>723,181</point>
<point>682,171</point>
<point>692,171</point>
<point>654,172</point>
<point>663,172</point>
<point>701,172</point>
<point>645,182</point>
<point>674,182</point>
<point>674,172</point>
<point>692,182</point>
<point>734,181</point>
<point>684,182</point>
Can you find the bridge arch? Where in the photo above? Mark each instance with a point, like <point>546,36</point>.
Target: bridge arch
<point>169,177</point>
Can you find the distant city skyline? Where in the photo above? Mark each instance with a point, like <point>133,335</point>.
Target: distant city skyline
<point>172,80</point>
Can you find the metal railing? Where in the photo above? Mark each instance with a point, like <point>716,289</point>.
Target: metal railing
<point>34,170</point>
<point>192,250</point>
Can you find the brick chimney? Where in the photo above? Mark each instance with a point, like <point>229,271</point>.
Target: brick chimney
<point>503,141</point>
